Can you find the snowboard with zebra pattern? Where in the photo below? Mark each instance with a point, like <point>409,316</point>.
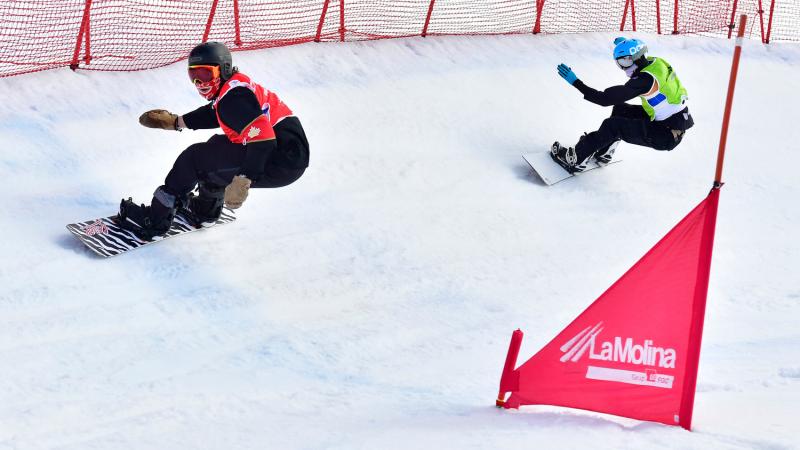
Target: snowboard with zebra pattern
<point>104,237</point>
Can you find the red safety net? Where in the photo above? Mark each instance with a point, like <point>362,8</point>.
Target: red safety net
<point>141,34</point>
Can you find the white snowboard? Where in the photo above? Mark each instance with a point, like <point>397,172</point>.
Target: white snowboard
<point>550,171</point>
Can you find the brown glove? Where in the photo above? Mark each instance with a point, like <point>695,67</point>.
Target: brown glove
<point>159,118</point>
<point>236,192</point>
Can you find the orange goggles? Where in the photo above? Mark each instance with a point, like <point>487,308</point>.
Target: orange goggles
<point>203,74</point>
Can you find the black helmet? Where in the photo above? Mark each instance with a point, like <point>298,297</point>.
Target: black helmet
<point>213,53</point>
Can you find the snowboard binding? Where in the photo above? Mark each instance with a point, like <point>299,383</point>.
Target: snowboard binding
<point>605,156</point>
<point>205,208</point>
<point>567,158</point>
<point>148,222</point>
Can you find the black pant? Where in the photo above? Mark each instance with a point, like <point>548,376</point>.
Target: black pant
<point>631,124</point>
<point>218,160</point>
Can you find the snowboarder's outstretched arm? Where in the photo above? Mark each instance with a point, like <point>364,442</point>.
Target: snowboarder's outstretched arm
<point>639,84</point>
<point>202,118</point>
<point>615,95</point>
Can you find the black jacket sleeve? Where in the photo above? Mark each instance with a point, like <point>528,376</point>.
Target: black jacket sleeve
<point>201,118</point>
<point>639,84</point>
<point>238,109</point>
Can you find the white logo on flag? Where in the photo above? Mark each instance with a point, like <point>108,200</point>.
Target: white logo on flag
<point>621,351</point>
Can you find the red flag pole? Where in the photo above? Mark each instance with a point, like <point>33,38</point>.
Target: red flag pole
<point>507,381</point>
<point>729,101</point>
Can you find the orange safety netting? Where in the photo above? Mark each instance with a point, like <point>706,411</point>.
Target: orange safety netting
<point>141,34</point>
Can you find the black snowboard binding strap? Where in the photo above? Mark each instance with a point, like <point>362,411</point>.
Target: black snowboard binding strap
<point>136,219</point>
<point>148,222</point>
<point>205,208</point>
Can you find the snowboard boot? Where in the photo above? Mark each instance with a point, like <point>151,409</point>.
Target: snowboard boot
<point>148,222</point>
<point>567,158</point>
<point>205,208</point>
<point>604,156</point>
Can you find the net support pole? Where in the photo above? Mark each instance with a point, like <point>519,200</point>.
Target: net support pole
<point>210,20</point>
<point>341,20</point>
<point>675,19</point>
<point>238,38</point>
<point>321,20</point>
<point>658,16</point>
<point>537,27</point>
<point>761,20</point>
<point>729,100</point>
<point>428,19</point>
<point>87,55</point>
<point>83,35</point>
<point>633,14</point>
<point>624,16</point>
<point>769,23</point>
<point>733,17</point>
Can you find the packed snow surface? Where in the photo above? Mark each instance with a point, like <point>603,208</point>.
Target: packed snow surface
<point>370,304</point>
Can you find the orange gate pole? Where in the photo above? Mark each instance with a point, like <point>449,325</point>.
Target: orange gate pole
<point>729,101</point>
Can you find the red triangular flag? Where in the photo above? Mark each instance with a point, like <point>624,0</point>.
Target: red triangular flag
<point>634,351</point>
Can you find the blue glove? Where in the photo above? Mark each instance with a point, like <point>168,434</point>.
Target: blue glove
<point>567,73</point>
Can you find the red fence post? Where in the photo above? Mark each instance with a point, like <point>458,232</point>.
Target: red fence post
<point>87,57</point>
<point>210,19</point>
<point>238,39</point>
<point>658,16</point>
<point>733,15</point>
<point>624,16</point>
<point>341,20</point>
<point>428,19</point>
<point>83,33</point>
<point>675,19</point>
<point>321,20</point>
<point>633,14</point>
<point>537,26</point>
<point>769,24</point>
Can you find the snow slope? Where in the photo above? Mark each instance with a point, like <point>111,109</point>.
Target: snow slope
<point>369,305</point>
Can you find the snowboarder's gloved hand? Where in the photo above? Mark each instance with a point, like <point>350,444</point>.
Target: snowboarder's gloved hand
<point>159,118</point>
<point>236,192</point>
<point>567,73</point>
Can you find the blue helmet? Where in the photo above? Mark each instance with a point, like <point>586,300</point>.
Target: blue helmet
<point>634,48</point>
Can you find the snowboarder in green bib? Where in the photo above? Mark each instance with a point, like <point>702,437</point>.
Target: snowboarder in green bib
<point>659,123</point>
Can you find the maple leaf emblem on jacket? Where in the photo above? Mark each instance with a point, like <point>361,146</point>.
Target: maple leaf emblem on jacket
<point>254,131</point>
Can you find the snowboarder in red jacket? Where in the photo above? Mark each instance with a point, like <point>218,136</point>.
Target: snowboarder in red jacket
<point>263,146</point>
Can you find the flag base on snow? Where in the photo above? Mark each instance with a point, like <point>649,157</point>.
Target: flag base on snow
<point>634,352</point>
